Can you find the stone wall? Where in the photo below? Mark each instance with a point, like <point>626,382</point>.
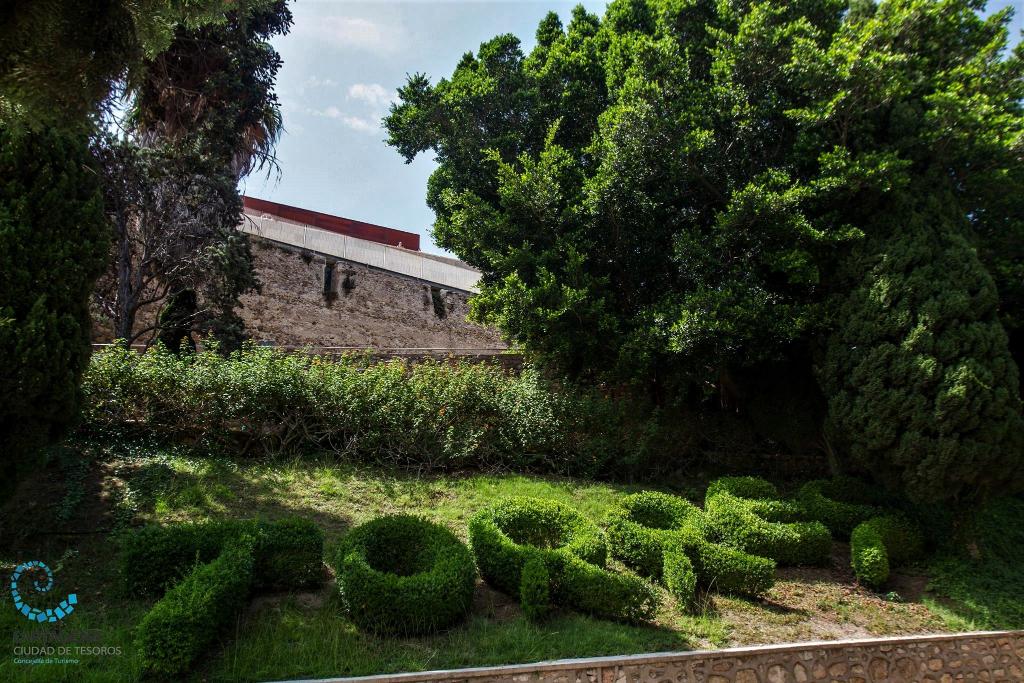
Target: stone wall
<point>992,656</point>
<point>359,307</point>
<point>362,306</point>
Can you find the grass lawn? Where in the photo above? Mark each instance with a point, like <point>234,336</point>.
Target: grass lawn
<point>68,516</point>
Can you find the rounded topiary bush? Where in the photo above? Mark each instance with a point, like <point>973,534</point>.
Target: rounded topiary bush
<point>506,534</point>
<point>404,575</point>
<point>723,569</point>
<point>880,543</point>
<point>513,532</point>
<point>639,526</point>
<point>762,498</point>
<point>840,504</point>
<point>646,526</point>
<point>735,522</point>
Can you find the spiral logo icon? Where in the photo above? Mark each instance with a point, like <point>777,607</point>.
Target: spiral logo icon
<point>66,606</point>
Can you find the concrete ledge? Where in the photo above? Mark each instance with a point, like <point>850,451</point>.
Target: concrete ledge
<point>982,656</point>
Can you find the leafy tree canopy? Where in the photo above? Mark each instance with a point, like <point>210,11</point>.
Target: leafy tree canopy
<point>60,59</point>
<point>668,190</point>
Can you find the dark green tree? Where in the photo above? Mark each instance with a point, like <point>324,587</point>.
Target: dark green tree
<point>922,389</point>
<point>210,95</point>
<point>53,243</point>
<point>668,193</point>
<point>60,60</point>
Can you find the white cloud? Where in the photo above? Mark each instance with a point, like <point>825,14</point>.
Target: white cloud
<point>360,124</point>
<point>315,83</point>
<point>356,123</point>
<point>374,94</point>
<point>352,32</point>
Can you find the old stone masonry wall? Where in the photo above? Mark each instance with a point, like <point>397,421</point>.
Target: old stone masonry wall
<point>993,656</point>
<point>310,299</point>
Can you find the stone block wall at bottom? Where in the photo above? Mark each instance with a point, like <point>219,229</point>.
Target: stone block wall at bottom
<point>994,657</point>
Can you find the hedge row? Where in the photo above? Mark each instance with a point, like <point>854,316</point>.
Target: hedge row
<point>427,415</point>
<point>652,532</point>
<point>516,533</point>
<point>403,575</point>
<point>287,553</point>
<point>176,631</point>
<point>880,543</point>
<point>736,522</point>
<point>840,504</point>
<point>208,571</point>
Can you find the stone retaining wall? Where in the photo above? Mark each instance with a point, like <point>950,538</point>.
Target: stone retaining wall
<point>988,656</point>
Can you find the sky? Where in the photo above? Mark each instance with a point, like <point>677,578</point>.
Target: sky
<point>344,60</point>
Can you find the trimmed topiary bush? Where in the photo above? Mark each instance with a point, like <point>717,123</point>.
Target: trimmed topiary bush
<point>880,543</point>
<point>188,618</point>
<point>725,570</point>
<point>535,589</point>
<point>404,575</point>
<point>645,525</point>
<point>762,497</point>
<point>287,553</point>
<point>639,526</point>
<point>734,522</point>
<point>506,535</point>
<point>678,574</point>
<point>840,504</point>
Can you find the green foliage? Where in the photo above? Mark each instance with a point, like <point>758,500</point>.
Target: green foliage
<point>734,522</point>
<point>187,620</point>
<point>881,543</point>
<point>508,534</point>
<point>404,575</point>
<point>535,589</point>
<point>679,576</point>
<point>212,88</point>
<point>840,504</point>
<point>286,554</point>
<point>761,498</point>
<point>53,243</point>
<point>922,387</point>
<point>648,530</point>
<point>801,135</point>
<point>723,569</point>
<point>640,525</point>
<point>985,588</point>
<point>61,58</point>
<point>431,415</point>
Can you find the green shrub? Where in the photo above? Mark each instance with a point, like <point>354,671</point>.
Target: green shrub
<point>535,589</point>
<point>287,553</point>
<point>53,245</point>
<point>646,524</point>
<point>680,579</point>
<point>922,389</point>
<point>762,498</point>
<point>743,487</point>
<point>508,534</point>
<point>725,570</point>
<point>881,543</point>
<point>840,504</point>
<point>188,618</point>
<point>734,522</point>
<point>427,415</point>
<point>591,589</point>
<point>639,526</point>
<point>404,575</point>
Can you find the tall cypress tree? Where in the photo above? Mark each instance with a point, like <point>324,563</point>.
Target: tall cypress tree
<point>53,242</point>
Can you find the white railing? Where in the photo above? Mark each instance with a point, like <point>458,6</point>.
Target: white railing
<point>396,259</point>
